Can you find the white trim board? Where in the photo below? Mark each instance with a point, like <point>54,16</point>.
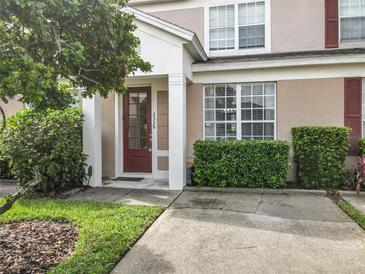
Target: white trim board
<point>283,63</point>
<point>277,74</point>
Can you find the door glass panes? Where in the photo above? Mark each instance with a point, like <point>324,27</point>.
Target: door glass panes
<point>138,127</point>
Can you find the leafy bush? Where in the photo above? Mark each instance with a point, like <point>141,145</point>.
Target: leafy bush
<point>362,146</point>
<point>5,172</point>
<point>47,143</point>
<point>241,163</point>
<point>320,153</point>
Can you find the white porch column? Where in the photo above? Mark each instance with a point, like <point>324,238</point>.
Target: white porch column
<point>92,137</point>
<point>177,131</point>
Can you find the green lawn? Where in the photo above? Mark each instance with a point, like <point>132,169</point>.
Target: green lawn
<point>355,214</point>
<point>107,231</point>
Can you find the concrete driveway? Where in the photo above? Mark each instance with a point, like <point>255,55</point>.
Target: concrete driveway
<point>208,232</point>
<point>7,187</point>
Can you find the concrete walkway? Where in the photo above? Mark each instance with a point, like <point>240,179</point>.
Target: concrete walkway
<point>212,232</point>
<point>148,197</point>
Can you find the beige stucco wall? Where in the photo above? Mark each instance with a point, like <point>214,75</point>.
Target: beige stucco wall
<point>194,124</point>
<point>191,19</point>
<point>108,136</point>
<point>297,25</point>
<point>311,102</point>
<point>12,107</point>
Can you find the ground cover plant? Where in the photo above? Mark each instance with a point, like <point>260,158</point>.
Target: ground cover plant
<point>106,231</point>
<point>355,214</point>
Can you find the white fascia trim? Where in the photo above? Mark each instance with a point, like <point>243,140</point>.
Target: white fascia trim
<point>298,62</point>
<point>185,34</point>
<point>140,2</point>
<point>199,48</point>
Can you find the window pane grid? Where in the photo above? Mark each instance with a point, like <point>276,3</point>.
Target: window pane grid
<point>221,27</point>
<point>257,109</point>
<point>251,23</point>
<point>220,112</point>
<point>352,20</point>
<point>248,29</point>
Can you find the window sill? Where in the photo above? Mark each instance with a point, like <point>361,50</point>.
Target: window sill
<point>352,44</point>
<point>238,52</point>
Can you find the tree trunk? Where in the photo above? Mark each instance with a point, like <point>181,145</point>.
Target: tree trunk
<point>2,112</point>
<point>10,200</point>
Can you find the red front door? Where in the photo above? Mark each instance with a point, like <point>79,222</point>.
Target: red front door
<point>137,130</point>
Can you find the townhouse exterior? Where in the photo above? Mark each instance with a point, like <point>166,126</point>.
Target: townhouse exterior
<point>224,70</point>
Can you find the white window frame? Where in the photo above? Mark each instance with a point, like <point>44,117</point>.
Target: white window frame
<point>349,42</point>
<point>237,51</point>
<point>239,108</point>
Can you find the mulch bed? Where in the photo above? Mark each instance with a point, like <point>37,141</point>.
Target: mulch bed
<point>35,246</point>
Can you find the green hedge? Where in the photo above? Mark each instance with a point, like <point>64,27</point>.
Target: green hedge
<point>320,153</point>
<point>47,142</point>
<point>241,163</point>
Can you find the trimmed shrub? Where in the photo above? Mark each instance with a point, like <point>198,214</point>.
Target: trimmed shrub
<point>47,143</point>
<point>241,163</point>
<point>320,153</point>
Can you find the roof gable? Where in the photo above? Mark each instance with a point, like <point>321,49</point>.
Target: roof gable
<point>192,42</point>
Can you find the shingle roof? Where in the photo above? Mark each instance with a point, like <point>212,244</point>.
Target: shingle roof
<point>286,55</point>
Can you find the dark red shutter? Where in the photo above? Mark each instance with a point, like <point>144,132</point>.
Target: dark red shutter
<point>353,111</point>
<point>331,7</point>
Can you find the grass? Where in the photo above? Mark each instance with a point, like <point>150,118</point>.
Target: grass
<point>355,214</point>
<point>107,231</point>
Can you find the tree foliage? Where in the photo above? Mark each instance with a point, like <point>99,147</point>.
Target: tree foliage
<point>88,42</point>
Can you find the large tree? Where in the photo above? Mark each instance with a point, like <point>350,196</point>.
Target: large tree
<point>88,42</point>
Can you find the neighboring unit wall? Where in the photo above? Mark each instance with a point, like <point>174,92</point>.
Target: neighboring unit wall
<point>194,125</point>
<point>191,19</point>
<point>108,136</point>
<point>314,102</point>
<point>297,25</point>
